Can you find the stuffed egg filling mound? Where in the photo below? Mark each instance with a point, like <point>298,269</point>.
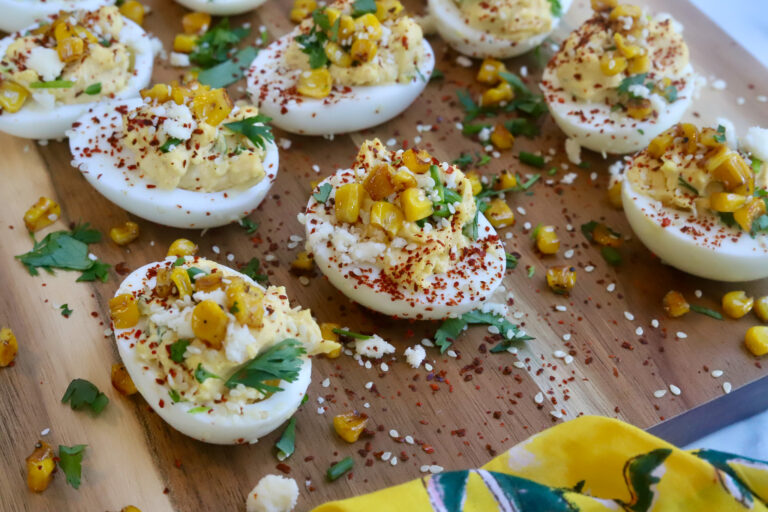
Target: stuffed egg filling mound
<point>342,69</point>
<point>18,14</point>
<point>620,79</point>
<point>217,356</point>
<point>496,28</point>
<point>183,155</point>
<point>400,233</point>
<point>52,72</point>
<point>699,204</point>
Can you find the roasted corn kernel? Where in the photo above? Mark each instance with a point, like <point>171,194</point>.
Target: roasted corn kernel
<point>209,282</point>
<point>546,240</point>
<point>690,135</point>
<point>733,173</point>
<point>378,182</point>
<point>212,107</point>
<point>561,279</point>
<point>639,109</point>
<point>184,43</point>
<point>209,323</point>
<point>349,426</point>
<point>70,49</point>
<point>489,71</point>
<point>726,202</point>
<point>387,216</point>
<point>499,214</point>
<point>349,200</point>
<point>496,95</point>
<point>627,50</point>
<point>8,347</point>
<point>747,214</point>
<point>158,92</point>
<point>761,309</point>
<point>403,179</point>
<point>134,11</point>
<point>43,213</point>
<point>660,144</point>
<point>416,205</point>
<point>756,340</point>
<point>475,181</point>
<point>604,5</point>
<point>363,50</point>
<point>125,234</point>
<point>675,304</point>
<point>198,22</point>
<point>736,304</point>
<point>505,180</point>
<point>388,9</point>
<point>709,137</point>
<point>639,64</point>
<point>369,27</point>
<point>121,380</point>
<point>501,137</point>
<point>40,466</point>
<point>624,11</point>
<point>417,161</point>
<point>12,96</point>
<point>316,83</point>
<point>326,330</point>
<point>602,235</point>
<point>337,55</point>
<point>124,311</point>
<point>614,195</point>
<point>303,262</point>
<point>612,64</point>
<point>245,302</point>
<point>180,279</point>
<point>182,247</point>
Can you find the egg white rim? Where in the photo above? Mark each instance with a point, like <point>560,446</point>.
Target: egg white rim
<point>212,428</point>
<point>35,122</point>
<point>623,138</point>
<point>18,14</point>
<point>222,7</point>
<point>357,108</point>
<point>139,195</point>
<point>449,23</point>
<point>743,259</point>
<point>413,304</point>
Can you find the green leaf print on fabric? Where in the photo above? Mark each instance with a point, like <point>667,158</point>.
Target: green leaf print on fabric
<point>641,477</point>
<point>447,491</point>
<point>723,461</point>
<point>523,494</point>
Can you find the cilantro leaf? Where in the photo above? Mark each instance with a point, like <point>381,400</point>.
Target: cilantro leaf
<point>720,137</point>
<point>81,392</point>
<point>177,350</point>
<point>200,408</point>
<point>531,159</point>
<point>213,47</point>
<point>756,164</point>
<point>511,261</point>
<point>556,8</point>
<point>313,45</point>
<point>249,226</point>
<point>66,251</point>
<point>86,234</point>
<point>611,255</point>
<point>323,193</point>
<point>683,183</point>
<point>99,270</point>
<point>464,160</point>
<point>201,374</point>
<point>229,71</point>
<point>170,144</point>
<point>255,128</point>
<point>624,85</point>
<point>93,89</point>
<point>670,93</point>
<point>453,327</point>
<point>360,7</point>
<point>251,269</point>
<point>175,396</point>
<point>65,311</point>
<point>286,445</point>
<point>70,462</point>
<point>436,75</point>
<point>281,361</point>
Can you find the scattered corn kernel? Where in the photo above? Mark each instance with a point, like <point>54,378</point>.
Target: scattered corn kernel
<point>489,71</point>
<point>403,179</point>
<point>159,92</point>
<point>43,213</point>
<point>736,304</point>
<point>546,240</point>
<point>337,55</point>
<point>245,302</point>
<point>726,202</point>
<point>180,278</point>
<point>747,214</point>
<point>40,466</point>
<point>349,426</point>
<point>316,83</point>
<point>625,10</point>
<point>387,216</point>
<point>756,340</point>
<point>12,96</point>
<point>614,195</point>
<point>709,137</point>
<point>612,65</point>
<point>184,43</point>
<point>561,279</point>
<point>8,347</point>
<point>388,9</point>
<point>209,282</point>
<point>690,135</point>
<point>378,182</point>
<point>349,199</point>
<point>370,26</point>
<point>70,49</point>
<point>209,323</point>
<point>496,95</point>
<point>124,311</point>
<point>639,109</point>
<point>416,160</point>
<point>501,137</point>
<point>499,214</point>
<point>326,330</point>
<point>182,247</point>
<point>163,283</point>
<point>416,205</point>
<point>125,234</point>
<point>761,309</point>
<point>639,64</point>
<point>363,50</point>
<point>627,50</point>
<point>121,380</point>
<point>196,22</point>
<point>660,144</point>
<point>505,180</point>
<point>604,5</point>
<point>602,235</point>
<point>134,11</point>
<point>675,304</point>
<point>212,107</point>
<point>303,262</point>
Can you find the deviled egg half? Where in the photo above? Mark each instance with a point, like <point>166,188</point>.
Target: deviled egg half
<point>18,14</point>
<point>221,7</point>
<point>218,357</point>
<point>400,233</point>
<point>699,204</point>
<point>54,71</point>
<point>182,155</point>
<point>496,28</point>
<point>620,79</point>
<point>343,69</point>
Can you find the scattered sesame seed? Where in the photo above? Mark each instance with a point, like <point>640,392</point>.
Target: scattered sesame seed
<point>539,398</point>
<point>639,331</point>
<point>320,410</point>
<point>654,323</point>
<point>394,434</point>
<point>435,469</point>
<point>385,456</point>
<point>762,99</point>
<point>569,227</point>
<point>681,335</point>
<point>384,367</point>
<point>391,142</point>
<point>45,431</point>
<point>566,336</point>
<point>659,393</point>
<point>518,364</point>
<point>326,383</point>
<point>527,226</point>
<point>424,468</point>
<point>451,353</point>
<point>216,249</point>
<point>557,414</point>
<point>674,390</point>
<point>719,84</point>
<point>367,405</point>
<point>559,354</point>
<point>727,387</point>
<point>521,210</point>
<point>740,100</point>
<point>320,400</point>
<point>560,307</point>
<point>698,294</point>
<point>463,61</point>
<point>368,385</point>
<point>629,316</point>
<point>230,257</point>
<point>568,359</point>
<point>611,287</point>
<point>304,280</point>
<point>393,461</point>
<point>270,257</point>
<point>409,439</point>
<point>589,268</point>
<point>568,254</point>
<point>428,367</point>
<point>717,373</point>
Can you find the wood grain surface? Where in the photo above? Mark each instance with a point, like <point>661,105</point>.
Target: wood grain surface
<point>473,406</point>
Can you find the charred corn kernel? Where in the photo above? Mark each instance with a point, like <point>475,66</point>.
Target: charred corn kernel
<point>612,65</point>
<point>134,11</point>
<point>43,213</point>
<point>709,137</point>
<point>8,347</point>
<point>121,380</point>
<point>733,172</point>
<point>163,283</point>
<point>496,95</point>
<point>506,179</point>
<point>501,137</point>
<point>499,214</point>
<point>368,26</point>
<point>349,426</point>
<point>602,235</point>
<point>403,179</point>
<point>388,9</point>
<point>417,160</point>
<point>475,181</point>
<point>346,27</point>
<point>209,323</point>
<point>209,282</point>
<point>303,8</point>
<point>212,106</point>
<point>298,15</point>
<point>416,205</point>
<point>604,5</point>
<point>326,330</point>
<point>184,43</point>
<point>316,83</point>
<point>625,10</point>
<point>190,75</point>
<point>159,92</point>
<point>660,144</point>
<point>756,340</point>
<point>363,50</point>
<point>675,304</point>
<point>124,311</point>
<point>690,135</point>
<point>125,234</point>
<point>747,214</point>
<point>489,71</point>
<point>130,508</point>
<point>737,304</point>
<point>387,216</point>
<point>337,55</point>
<point>12,96</point>
<point>639,64</point>
<point>614,195</point>
<point>195,22</point>
<point>726,202</point>
<point>627,50</point>
<point>761,309</point>
<point>246,302</point>
<point>349,199</point>
<point>182,247</point>
<point>561,279</point>
<point>70,49</point>
<point>180,94</point>
<point>180,279</point>
<point>546,240</point>
<point>61,29</point>
<point>639,109</point>
<point>378,182</point>
<point>40,466</point>
<point>716,157</point>
<point>303,262</point>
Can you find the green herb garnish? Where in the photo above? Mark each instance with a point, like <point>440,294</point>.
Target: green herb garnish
<point>720,137</point>
<point>611,255</point>
<point>436,75</point>
<point>175,396</point>
<point>201,374</point>
<point>192,272</point>
<point>229,71</point>
<point>65,311</point>
<point>556,8</point>
<point>287,442</point>
<point>170,144</point>
<point>53,84</point>
<point>338,469</point>
<point>450,329</point>
<point>93,89</point>
<point>360,7</point>
<point>81,392</point>
<point>213,47</point>
<point>756,164</point>
<point>249,226</point>
<point>531,159</point>
<point>681,181</point>
<point>199,408</point>
<point>281,361</point>
<point>323,193</point>
<point>251,269</point>
<point>254,128</point>
<point>177,350</point>
<point>706,311</point>
<point>351,334</point>
<point>70,462</point>
<point>511,260</point>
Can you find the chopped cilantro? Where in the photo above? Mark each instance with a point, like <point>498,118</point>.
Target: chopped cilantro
<point>360,7</point>
<point>193,272</point>
<point>556,8</point>
<point>624,86</point>
<point>323,193</point>
<point>535,231</point>
<point>201,374</point>
<point>670,93</point>
<point>436,75</point>
<point>234,309</point>
<point>351,334</point>
<point>511,261</point>
<point>214,46</point>
<point>249,226</point>
<point>53,84</point>
<point>287,442</point>
<point>93,89</point>
<point>683,183</point>
<point>756,164</point>
<point>464,160</point>
<point>81,392</point>
<point>611,255</point>
<point>531,159</point>
<point>170,144</point>
<point>177,350</point>
<point>65,311</point>
<point>251,269</point>
<point>254,128</point>
<point>451,328</point>
<point>521,126</point>
<point>229,71</point>
<point>179,261</point>
<point>720,137</point>
<point>175,396</point>
<point>70,462</point>
<point>531,271</point>
<point>281,361</point>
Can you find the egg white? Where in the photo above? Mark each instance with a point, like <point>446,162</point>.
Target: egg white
<point>18,14</point>
<point>222,7</point>
<point>218,427</point>
<point>612,132</point>
<point>137,194</point>
<point>705,248</point>
<point>449,23</point>
<point>354,108</point>
<point>473,287</point>
<point>35,122</point>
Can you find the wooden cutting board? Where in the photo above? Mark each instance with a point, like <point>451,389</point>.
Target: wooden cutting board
<point>471,407</point>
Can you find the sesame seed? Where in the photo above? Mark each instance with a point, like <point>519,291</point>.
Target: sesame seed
<point>659,393</point>
<point>740,100</point>
<point>326,383</point>
<point>384,367</point>
<point>230,257</point>
<point>654,323</point>
<point>539,398</point>
<point>428,367</point>
<point>717,373</point>
<point>727,387</point>
<point>368,365</point>
<point>681,335</point>
<point>435,469</point>
<point>569,227</point>
<point>216,249</point>
<point>320,400</point>
<point>409,439</point>
<point>45,431</point>
<point>559,354</point>
<point>566,336</point>
<point>698,294</point>
<point>560,307</point>
<point>556,414</point>
<point>304,280</point>
<point>527,226</point>
<point>452,353</point>
<point>589,268</point>
<point>629,316</point>
<point>674,390</point>
<point>393,461</point>
<point>320,410</point>
<point>611,287</point>
<point>367,405</point>
<point>639,331</point>
<point>518,364</point>
<point>521,210</point>
<point>568,359</point>
<point>424,468</point>
<point>394,434</point>
<point>762,99</point>
<point>568,254</point>
<point>368,385</point>
<point>463,61</point>
<point>385,456</point>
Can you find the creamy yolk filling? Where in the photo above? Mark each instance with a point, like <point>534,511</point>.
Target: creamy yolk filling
<point>339,46</point>
<point>625,59</point>
<point>180,138</point>
<point>692,170</point>
<point>77,58</point>
<point>515,20</point>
